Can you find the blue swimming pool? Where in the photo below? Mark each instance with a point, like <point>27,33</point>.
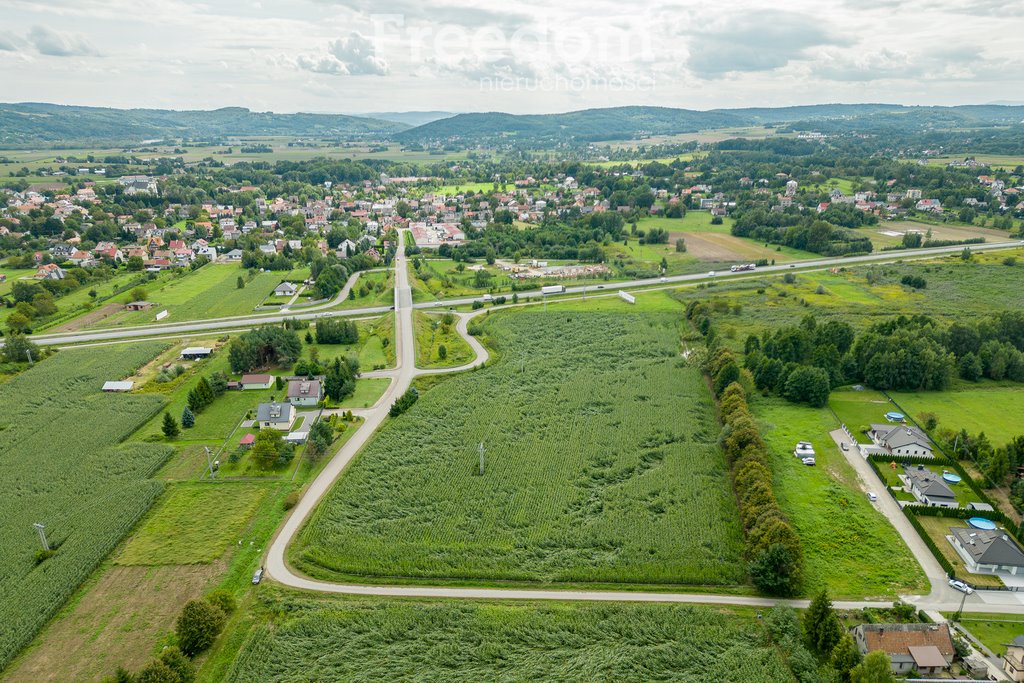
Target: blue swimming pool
<point>951,477</point>
<point>982,523</point>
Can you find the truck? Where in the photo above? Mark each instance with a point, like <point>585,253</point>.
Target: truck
<point>552,289</point>
<point>743,267</point>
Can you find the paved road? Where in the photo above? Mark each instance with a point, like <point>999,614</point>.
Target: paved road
<point>308,313</point>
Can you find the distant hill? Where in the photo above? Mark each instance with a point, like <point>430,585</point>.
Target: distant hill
<point>411,118</point>
<point>31,123</point>
<point>587,125</point>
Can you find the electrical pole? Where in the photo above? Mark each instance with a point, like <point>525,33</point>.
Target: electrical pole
<point>28,352</point>
<point>960,611</point>
<point>41,528</point>
<point>481,449</point>
<point>209,462</point>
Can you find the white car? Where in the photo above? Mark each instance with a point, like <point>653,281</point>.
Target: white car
<point>808,461</point>
<point>872,497</point>
<point>257,576</point>
<point>960,586</point>
<point>711,274</point>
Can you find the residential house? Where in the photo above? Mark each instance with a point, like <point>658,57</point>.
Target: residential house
<point>275,416</point>
<point>929,488</point>
<point>926,648</point>
<point>50,271</point>
<point>988,551</point>
<point>256,381</point>
<point>234,255</point>
<point>305,392</point>
<point>901,439</point>
<point>285,289</point>
<point>1013,660</point>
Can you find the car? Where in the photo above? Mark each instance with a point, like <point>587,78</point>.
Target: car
<point>391,308</point>
<point>664,279</point>
<point>845,446</point>
<point>809,460</point>
<point>258,576</point>
<point>600,286</point>
<point>792,265</point>
<point>872,497</point>
<point>960,586</point>
<point>711,273</point>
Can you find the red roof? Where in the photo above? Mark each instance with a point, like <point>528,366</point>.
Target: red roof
<point>248,440</point>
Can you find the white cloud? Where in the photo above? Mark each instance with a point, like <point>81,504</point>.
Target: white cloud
<point>58,44</point>
<point>351,56</point>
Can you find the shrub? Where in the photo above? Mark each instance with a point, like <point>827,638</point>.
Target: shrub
<point>222,599</point>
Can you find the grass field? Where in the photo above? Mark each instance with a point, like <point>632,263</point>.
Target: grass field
<point>984,407</point>
<point>994,630</point>
<point>569,493</point>
<point>849,547</point>
<point>209,292</point>
<point>60,464</point>
<point>368,392</point>
<point>860,409</point>
<point>463,641</point>
<point>429,340</point>
<point>193,524</point>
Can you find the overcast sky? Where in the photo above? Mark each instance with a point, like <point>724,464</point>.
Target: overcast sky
<point>524,56</point>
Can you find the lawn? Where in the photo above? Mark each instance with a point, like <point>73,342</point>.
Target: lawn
<point>860,409</point>
<point>849,547</point>
<point>993,630</point>
<point>13,275</point>
<point>368,392</point>
<point>984,407</point>
<point>436,330</point>
<point>61,465</point>
<point>193,524</point>
<point>487,641</point>
<point>376,288</point>
<point>600,465</point>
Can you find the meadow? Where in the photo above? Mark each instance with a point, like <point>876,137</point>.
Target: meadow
<point>209,292</point>
<point>478,641</point>
<point>601,465</point>
<point>993,630</point>
<point>431,335</point>
<point>60,464</point>
<point>849,547</point>
<point>987,406</point>
<point>192,524</point>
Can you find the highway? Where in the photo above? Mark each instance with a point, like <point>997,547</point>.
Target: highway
<point>312,312</point>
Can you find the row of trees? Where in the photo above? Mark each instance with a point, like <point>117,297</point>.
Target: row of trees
<point>336,331</point>
<point>773,546</point>
<point>801,232</point>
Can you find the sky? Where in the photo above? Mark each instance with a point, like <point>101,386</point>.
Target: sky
<point>519,56</point>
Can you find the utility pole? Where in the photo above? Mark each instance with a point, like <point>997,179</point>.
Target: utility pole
<point>481,449</point>
<point>209,462</point>
<point>960,611</point>
<point>41,528</point>
<point>28,352</point>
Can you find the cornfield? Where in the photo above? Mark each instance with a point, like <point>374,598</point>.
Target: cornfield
<point>600,466</point>
<point>60,465</point>
<point>356,640</point>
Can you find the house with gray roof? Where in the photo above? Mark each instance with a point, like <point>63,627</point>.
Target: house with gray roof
<point>901,439</point>
<point>988,551</point>
<point>928,487</point>
<point>275,416</point>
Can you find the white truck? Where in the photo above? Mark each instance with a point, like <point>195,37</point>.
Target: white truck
<point>552,289</point>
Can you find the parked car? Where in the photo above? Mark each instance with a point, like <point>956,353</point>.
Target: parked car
<point>809,460</point>
<point>845,446</point>
<point>711,274</point>
<point>258,576</point>
<point>872,497</point>
<point>960,586</point>
<point>600,286</point>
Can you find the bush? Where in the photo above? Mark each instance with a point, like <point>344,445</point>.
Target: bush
<point>222,599</point>
<point>198,626</point>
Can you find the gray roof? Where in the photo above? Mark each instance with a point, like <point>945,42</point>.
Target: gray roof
<point>274,412</point>
<point>929,483</point>
<point>302,388</point>
<point>898,436</point>
<point>981,507</point>
<point>989,546</point>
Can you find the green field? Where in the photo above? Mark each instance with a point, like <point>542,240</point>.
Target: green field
<point>60,465</point>
<point>849,547</point>
<point>601,465</point>
<point>483,641</point>
<point>368,392</point>
<point>432,332</point>
<point>209,292</point>
<point>984,407</point>
<point>193,524</point>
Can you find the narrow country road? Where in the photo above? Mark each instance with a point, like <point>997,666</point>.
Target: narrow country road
<point>942,598</point>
